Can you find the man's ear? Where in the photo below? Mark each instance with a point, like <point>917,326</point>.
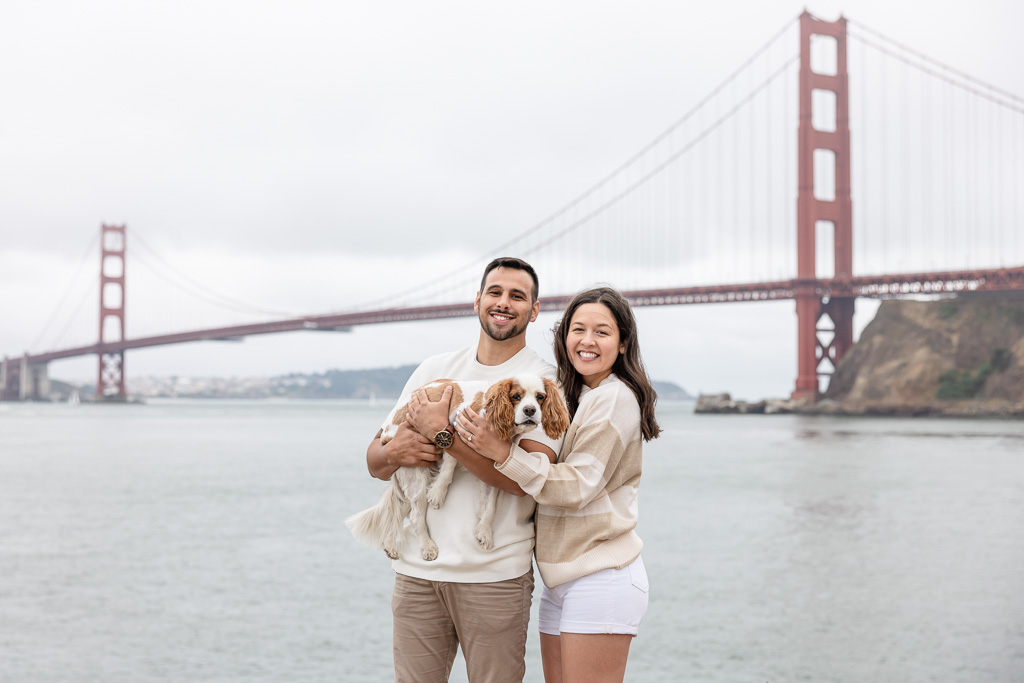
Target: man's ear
<point>476,303</point>
<point>535,311</point>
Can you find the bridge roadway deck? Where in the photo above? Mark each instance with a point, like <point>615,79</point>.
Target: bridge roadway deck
<point>874,286</point>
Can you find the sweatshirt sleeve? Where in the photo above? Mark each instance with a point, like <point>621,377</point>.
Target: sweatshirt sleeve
<point>582,475</point>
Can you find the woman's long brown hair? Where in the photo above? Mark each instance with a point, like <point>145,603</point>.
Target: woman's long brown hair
<point>628,367</point>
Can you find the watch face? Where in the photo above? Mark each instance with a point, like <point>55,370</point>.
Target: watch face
<point>443,439</point>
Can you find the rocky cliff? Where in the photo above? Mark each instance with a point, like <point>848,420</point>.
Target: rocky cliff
<point>963,355</point>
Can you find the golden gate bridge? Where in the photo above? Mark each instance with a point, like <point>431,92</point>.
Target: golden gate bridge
<point>939,182</point>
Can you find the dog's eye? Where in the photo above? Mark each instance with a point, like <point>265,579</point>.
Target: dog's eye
<point>516,397</point>
<point>540,398</point>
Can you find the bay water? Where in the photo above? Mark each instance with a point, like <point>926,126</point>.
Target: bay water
<point>204,541</point>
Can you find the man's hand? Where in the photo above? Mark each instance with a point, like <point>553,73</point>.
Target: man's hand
<point>429,417</point>
<point>408,448</point>
<point>411,449</point>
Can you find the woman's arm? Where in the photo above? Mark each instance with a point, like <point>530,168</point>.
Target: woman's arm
<point>483,468</point>
<point>606,439</point>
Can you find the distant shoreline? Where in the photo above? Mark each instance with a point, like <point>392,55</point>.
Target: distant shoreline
<point>722,404</point>
<point>369,384</point>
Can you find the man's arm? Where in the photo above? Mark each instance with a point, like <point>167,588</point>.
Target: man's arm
<point>408,449</point>
<point>429,417</point>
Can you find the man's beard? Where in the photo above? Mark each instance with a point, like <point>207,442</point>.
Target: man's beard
<point>503,334</point>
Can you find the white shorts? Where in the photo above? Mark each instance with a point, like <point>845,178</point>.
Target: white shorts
<point>608,601</point>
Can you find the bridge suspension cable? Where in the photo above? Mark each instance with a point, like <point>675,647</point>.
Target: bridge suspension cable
<point>188,285</point>
<point>71,286</point>
<point>940,163</point>
<point>672,158</point>
<point>455,280</point>
<point>970,83</point>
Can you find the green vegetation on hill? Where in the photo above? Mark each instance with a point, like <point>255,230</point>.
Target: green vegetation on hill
<point>958,385</point>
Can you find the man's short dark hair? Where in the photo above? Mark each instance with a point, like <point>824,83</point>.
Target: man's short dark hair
<point>514,264</point>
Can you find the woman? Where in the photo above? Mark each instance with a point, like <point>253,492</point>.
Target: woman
<point>588,551</point>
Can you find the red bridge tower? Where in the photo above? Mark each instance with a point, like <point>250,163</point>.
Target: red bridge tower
<point>818,345</point>
<point>110,384</point>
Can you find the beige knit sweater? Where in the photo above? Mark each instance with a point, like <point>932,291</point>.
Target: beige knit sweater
<point>587,499</point>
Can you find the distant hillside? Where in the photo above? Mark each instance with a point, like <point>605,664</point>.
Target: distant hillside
<point>671,391</point>
<point>377,383</point>
<point>374,382</point>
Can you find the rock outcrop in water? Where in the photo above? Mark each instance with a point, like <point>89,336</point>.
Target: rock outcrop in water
<point>961,356</point>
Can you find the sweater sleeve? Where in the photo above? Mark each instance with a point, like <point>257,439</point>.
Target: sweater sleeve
<point>597,446</point>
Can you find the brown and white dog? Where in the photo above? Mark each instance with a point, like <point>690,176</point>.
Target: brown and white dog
<point>511,407</point>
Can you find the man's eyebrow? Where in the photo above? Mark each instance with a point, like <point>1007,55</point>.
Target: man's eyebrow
<point>499,288</point>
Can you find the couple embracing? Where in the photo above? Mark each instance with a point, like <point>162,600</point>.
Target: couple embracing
<point>580,492</point>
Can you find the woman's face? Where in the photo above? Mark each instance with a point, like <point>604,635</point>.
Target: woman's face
<point>593,342</point>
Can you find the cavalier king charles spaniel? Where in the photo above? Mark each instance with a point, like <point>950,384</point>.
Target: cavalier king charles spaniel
<point>511,407</point>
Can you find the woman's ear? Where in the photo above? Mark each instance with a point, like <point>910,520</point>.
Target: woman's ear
<point>501,414</point>
<point>556,415</point>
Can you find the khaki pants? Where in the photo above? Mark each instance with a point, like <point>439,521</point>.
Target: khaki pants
<point>489,620</point>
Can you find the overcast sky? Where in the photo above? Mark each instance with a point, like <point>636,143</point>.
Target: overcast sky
<point>291,153</point>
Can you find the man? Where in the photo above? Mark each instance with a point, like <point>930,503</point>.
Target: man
<point>470,596</point>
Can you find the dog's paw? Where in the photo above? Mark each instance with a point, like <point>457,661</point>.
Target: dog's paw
<point>484,536</point>
<point>391,553</point>
<point>436,496</point>
<point>429,551</point>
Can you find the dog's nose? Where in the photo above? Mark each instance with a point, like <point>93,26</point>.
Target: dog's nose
<point>529,411</point>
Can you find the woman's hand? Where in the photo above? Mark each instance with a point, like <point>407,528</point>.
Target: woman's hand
<point>474,431</point>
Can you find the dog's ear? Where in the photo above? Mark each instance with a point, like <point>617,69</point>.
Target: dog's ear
<point>501,414</point>
<point>556,415</point>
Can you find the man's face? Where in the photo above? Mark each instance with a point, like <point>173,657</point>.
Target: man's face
<point>504,305</point>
